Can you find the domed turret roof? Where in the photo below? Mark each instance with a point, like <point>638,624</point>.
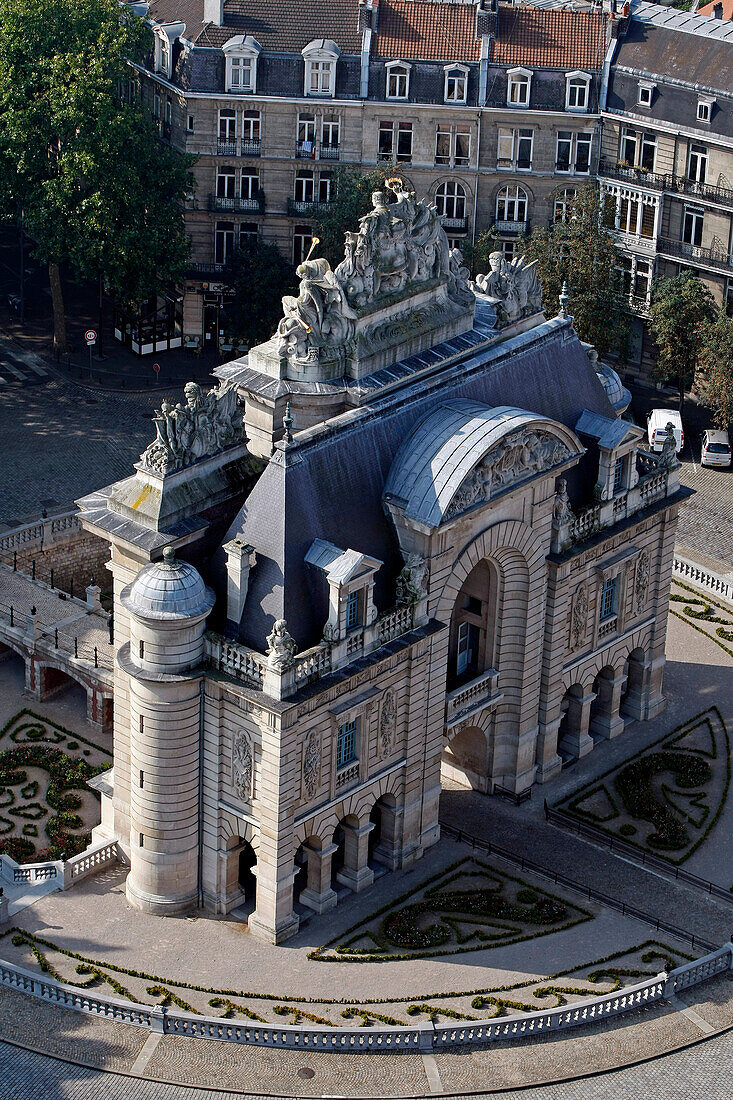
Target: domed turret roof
<point>616,392</point>
<point>168,589</point>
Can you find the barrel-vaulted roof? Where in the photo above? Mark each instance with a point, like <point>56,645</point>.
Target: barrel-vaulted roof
<point>447,445</point>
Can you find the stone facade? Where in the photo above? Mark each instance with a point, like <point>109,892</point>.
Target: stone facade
<point>460,574</point>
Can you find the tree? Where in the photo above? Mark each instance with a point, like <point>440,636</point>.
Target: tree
<point>260,276</point>
<point>351,199</point>
<point>681,305</point>
<point>96,187</point>
<point>714,376</point>
<point>581,251</point>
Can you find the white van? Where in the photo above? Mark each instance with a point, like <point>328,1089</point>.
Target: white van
<point>657,422</point>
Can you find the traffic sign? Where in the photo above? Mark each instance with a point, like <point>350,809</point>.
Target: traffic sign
<point>90,336</point>
<point>156,368</point>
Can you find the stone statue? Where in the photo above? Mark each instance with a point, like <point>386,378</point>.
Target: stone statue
<point>206,424</point>
<point>459,287</point>
<point>411,582</point>
<point>668,458</point>
<point>280,647</point>
<point>319,316</point>
<point>562,513</point>
<point>514,288</point>
<point>579,618</point>
<point>311,765</point>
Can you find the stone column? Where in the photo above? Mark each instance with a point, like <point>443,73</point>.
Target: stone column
<point>389,850</point>
<point>356,872</point>
<point>549,762</point>
<point>576,741</point>
<point>318,894</point>
<point>609,724</point>
<point>273,919</point>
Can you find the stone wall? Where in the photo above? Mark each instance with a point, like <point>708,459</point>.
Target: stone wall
<point>60,544</point>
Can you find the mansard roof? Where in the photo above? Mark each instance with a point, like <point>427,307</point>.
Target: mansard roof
<point>435,459</point>
<point>681,51</point>
<point>329,482</point>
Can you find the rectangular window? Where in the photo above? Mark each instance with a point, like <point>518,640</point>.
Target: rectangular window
<point>302,241</point>
<point>321,77</point>
<point>306,142</point>
<point>525,140</point>
<point>247,234</point>
<point>325,187</point>
<point>250,133</point>
<point>629,146</point>
<point>452,145</point>
<point>225,181</point>
<point>397,82</point>
<point>583,144</point>
<point>156,103</point>
<point>331,132</point>
<point>561,206</point>
<point>703,110</point>
<point>404,142</point>
<point>648,152</point>
<point>505,150</point>
<point>455,86</point>
<point>642,280</point>
<point>608,599</point>
<point>304,185</point>
<point>518,95</point>
<point>697,165</point>
<point>692,226</point>
<point>564,150</point>
<point>241,74</point>
<point>223,242</point>
<point>577,93</point>
<point>141,778</point>
<point>385,146</point>
<point>142,723</point>
<point>227,126</point>
<point>346,744</point>
<point>443,145</point>
<point>463,147</point>
<point>142,840</point>
<point>190,124</point>
<point>352,610</point>
<point>618,475</point>
<point>250,183</point>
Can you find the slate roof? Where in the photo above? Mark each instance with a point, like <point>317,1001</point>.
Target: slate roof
<point>427,31</point>
<point>329,483</point>
<point>677,54</point>
<point>608,432</point>
<point>548,39</point>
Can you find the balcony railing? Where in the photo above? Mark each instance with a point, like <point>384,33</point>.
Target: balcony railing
<point>305,207</point>
<point>459,225</point>
<point>472,697</point>
<point>327,151</point>
<point>250,147</point>
<point>226,148</point>
<point>234,204</point>
<point>205,271</point>
<point>506,225</point>
<point>667,182</point>
<point>710,257</point>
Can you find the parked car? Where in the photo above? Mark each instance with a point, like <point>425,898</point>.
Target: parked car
<point>715,449</point>
<point>657,422</point>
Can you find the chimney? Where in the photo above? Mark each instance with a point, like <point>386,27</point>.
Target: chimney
<point>214,12</point>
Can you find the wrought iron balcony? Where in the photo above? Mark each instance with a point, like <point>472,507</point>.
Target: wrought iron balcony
<point>305,150</point>
<point>329,152</point>
<point>226,148</point>
<point>696,254</point>
<point>459,225</point>
<point>234,205</point>
<point>250,147</point>
<point>306,208</point>
<point>722,196</point>
<point>507,225</point>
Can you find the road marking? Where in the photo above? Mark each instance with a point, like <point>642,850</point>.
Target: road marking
<point>433,1075</point>
<point>694,1017</point>
<point>5,365</point>
<point>149,1046</point>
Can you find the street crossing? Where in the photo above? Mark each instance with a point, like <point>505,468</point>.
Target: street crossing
<point>20,368</point>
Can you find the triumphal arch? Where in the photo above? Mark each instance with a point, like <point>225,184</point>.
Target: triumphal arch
<point>408,540</point>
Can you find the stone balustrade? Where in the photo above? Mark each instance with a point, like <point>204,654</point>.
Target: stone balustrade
<point>67,873</point>
<point>424,1037</point>
<point>235,659</point>
<point>716,583</point>
<point>312,664</point>
<point>30,873</point>
<point>39,534</point>
<point>653,485</point>
<point>472,697</point>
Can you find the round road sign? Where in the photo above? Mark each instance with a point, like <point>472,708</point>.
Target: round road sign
<point>90,336</point>
<point>156,368</point>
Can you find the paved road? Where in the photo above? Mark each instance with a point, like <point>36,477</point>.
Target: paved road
<point>702,1072</point>
<point>18,367</point>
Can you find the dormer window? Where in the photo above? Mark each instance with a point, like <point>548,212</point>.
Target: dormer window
<point>518,86</point>
<point>577,91</point>
<point>645,93</point>
<point>398,80</point>
<point>165,35</point>
<point>241,53</point>
<point>456,84</point>
<point>350,579</point>
<point>320,57</point>
<point>704,108</point>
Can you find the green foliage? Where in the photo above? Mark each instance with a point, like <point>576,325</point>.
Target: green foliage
<point>260,276</point>
<point>352,198</point>
<point>634,784</point>
<point>714,380</point>
<point>680,306</point>
<point>97,188</point>
<point>581,251</point>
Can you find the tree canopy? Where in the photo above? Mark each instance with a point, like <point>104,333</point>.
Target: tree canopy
<point>714,379</point>
<point>681,304</point>
<point>96,187</point>
<point>581,251</point>
<point>260,276</point>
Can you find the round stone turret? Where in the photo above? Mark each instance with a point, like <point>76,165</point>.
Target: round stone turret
<point>168,603</point>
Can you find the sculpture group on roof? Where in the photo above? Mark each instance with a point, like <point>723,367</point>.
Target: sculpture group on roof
<point>400,247</point>
<point>207,423</point>
<point>513,288</point>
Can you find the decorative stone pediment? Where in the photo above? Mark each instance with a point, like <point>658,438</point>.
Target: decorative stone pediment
<point>519,456</point>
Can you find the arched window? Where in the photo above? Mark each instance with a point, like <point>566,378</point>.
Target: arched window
<point>511,204</point>
<point>450,199</point>
<point>398,80</point>
<point>320,57</point>
<point>456,83</point>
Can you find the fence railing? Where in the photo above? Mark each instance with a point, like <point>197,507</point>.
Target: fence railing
<point>423,1037</point>
<point>636,855</point>
<point>580,888</point>
<point>706,579</point>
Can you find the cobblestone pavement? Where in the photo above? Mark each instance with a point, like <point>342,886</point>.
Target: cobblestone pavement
<point>60,441</point>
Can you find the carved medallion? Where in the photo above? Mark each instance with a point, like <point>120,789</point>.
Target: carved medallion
<point>242,765</point>
<point>641,584</point>
<point>311,765</point>
<point>387,723</point>
<point>579,617</point>
<point>518,456</point>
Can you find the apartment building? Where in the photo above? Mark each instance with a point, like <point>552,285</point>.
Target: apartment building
<point>667,154</point>
<point>489,109</point>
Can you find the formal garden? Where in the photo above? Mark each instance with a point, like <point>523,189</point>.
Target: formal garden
<point>666,798</point>
<point>703,613</point>
<point>47,811</point>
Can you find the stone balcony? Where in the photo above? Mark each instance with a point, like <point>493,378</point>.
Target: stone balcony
<point>252,668</point>
<point>472,697</point>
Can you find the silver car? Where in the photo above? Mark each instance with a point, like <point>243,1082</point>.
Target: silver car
<point>715,449</point>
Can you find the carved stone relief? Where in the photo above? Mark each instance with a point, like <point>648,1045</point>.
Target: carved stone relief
<point>513,288</point>
<point>412,581</point>
<point>206,424</point>
<point>387,721</point>
<point>579,617</point>
<point>311,765</point>
<point>517,457</point>
<point>242,765</point>
<point>641,583</point>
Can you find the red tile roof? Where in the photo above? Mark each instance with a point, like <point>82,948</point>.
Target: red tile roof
<point>276,24</point>
<point>427,31</point>
<point>709,9</point>
<point>549,39</point>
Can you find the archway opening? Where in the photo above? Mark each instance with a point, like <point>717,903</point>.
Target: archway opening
<point>604,708</point>
<point>572,733</point>
<point>472,632</point>
<point>246,878</point>
<point>12,672</point>
<point>300,866</point>
<point>465,760</point>
<point>337,858</point>
<point>632,696</point>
